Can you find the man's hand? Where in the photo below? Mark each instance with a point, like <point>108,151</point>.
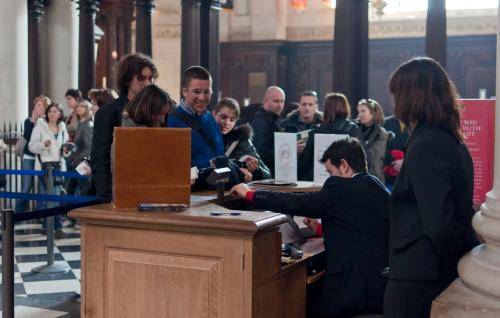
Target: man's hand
<point>240,190</point>
<point>301,144</point>
<point>311,223</point>
<point>248,175</point>
<point>396,164</point>
<point>252,163</point>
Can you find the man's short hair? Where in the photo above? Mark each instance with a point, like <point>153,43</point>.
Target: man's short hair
<point>75,93</point>
<point>350,150</point>
<point>132,65</point>
<point>195,72</point>
<point>310,93</point>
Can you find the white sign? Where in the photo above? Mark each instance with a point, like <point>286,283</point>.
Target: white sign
<point>285,157</point>
<point>321,143</point>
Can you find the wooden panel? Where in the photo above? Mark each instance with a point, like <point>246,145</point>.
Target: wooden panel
<point>145,169</point>
<point>157,285</point>
<point>126,258</point>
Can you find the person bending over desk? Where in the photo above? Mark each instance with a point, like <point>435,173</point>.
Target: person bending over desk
<point>353,207</point>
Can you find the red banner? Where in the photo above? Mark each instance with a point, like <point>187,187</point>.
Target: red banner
<point>478,125</point>
<point>299,4</point>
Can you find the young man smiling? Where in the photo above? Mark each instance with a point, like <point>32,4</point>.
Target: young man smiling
<point>206,138</point>
<point>354,210</point>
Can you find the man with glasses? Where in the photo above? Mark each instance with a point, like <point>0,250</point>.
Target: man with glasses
<point>135,71</point>
<point>192,111</point>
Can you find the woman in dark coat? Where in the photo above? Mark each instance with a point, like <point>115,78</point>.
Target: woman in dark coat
<point>337,114</point>
<point>370,119</point>
<point>431,203</point>
<point>237,141</point>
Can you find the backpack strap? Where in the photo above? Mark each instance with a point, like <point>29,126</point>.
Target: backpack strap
<point>195,124</point>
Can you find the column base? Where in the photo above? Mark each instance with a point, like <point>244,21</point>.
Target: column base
<point>459,301</point>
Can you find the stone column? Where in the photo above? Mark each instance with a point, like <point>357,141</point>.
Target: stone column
<point>435,34</point>
<point>476,293</point>
<point>190,33</point>
<point>35,13</point>
<point>14,101</point>
<point>86,60</point>
<point>350,53</point>
<point>210,46</point>
<point>59,46</point>
<point>143,31</point>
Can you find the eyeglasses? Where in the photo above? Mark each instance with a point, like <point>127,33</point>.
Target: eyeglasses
<point>373,103</point>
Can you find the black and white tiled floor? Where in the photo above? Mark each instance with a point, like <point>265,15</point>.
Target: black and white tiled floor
<point>45,295</point>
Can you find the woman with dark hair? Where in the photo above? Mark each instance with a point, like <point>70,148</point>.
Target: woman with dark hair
<point>47,140</point>
<point>73,97</point>
<point>336,120</point>
<point>237,141</point>
<point>100,97</point>
<point>431,204</point>
<point>149,108</point>
<point>370,120</point>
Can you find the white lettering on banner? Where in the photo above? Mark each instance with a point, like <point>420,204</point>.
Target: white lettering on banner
<point>285,157</point>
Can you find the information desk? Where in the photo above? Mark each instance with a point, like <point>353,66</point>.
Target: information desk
<point>186,264</point>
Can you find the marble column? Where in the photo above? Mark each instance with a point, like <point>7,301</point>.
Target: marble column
<point>350,52</point>
<point>35,13</point>
<point>59,50</point>
<point>143,31</point>
<point>14,103</point>
<point>86,60</point>
<point>435,34</point>
<point>476,293</point>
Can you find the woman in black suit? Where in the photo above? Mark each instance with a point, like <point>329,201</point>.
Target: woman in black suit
<point>431,203</point>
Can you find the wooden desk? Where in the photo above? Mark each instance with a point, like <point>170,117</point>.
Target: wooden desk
<point>188,264</point>
<point>302,186</point>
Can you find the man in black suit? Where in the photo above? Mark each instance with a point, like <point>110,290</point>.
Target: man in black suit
<point>135,71</point>
<point>353,207</point>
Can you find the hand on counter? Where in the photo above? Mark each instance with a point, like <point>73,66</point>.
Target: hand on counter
<point>240,190</point>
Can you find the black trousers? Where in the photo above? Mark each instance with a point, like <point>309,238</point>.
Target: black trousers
<point>411,298</point>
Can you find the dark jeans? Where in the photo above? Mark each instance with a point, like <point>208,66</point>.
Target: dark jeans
<point>41,205</point>
<point>27,183</point>
<point>411,298</point>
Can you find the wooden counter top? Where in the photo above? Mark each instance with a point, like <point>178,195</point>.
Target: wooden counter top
<point>197,217</point>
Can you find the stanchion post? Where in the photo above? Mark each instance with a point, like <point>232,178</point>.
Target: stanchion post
<point>8,263</point>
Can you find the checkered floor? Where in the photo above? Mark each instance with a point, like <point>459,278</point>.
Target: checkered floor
<point>46,295</point>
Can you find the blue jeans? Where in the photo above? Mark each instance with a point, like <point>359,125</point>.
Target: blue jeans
<point>41,205</point>
<point>27,183</point>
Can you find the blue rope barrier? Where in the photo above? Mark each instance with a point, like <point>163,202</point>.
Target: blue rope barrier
<point>40,214</point>
<point>70,174</point>
<point>22,172</point>
<point>46,197</point>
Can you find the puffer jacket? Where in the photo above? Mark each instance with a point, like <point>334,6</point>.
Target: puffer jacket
<point>241,137</point>
<point>41,133</point>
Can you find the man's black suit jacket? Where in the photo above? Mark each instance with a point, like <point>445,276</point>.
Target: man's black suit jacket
<point>106,119</point>
<point>431,207</point>
<point>355,218</point>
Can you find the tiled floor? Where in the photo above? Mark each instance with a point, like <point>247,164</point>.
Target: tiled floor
<point>45,295</point>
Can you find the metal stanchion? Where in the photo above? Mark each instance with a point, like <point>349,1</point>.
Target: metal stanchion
<point>50,267</point>
<point>8,263</point>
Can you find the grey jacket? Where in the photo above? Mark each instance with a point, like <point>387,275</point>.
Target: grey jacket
<point>83,141</point>
<point>375,143</point>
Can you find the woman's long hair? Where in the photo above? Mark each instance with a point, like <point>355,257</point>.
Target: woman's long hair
<point>424,94</point>
<point>148,105</point>
<point>335,107</point>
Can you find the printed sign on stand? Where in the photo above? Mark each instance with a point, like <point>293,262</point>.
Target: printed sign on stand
<point>285,157</point>
<point>321,143</point>
<point>478,126</point>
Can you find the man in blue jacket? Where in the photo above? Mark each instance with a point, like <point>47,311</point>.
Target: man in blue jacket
<point>192,111</point>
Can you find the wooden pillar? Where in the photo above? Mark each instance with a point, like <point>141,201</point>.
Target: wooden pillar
<point>114,18</point>
<point>435,35</point>
<point>350,56</point>
<point>86,58</point>
<point>143,32</point>
<point>35,13</point>
<point>209,42</point>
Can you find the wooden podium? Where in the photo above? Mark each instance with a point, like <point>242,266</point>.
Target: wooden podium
<point>180,264</point>
<point>187,264</point>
